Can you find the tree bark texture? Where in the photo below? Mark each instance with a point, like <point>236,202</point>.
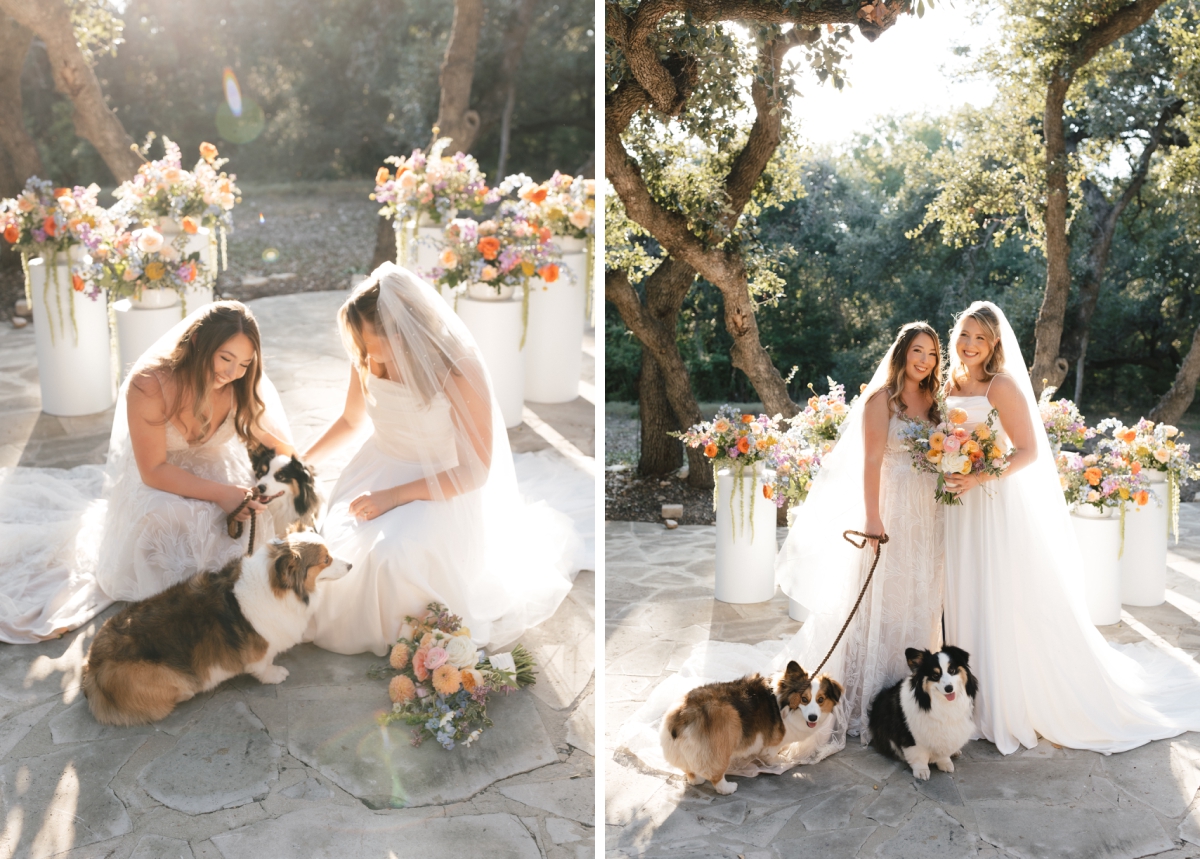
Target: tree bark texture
<point>22,155</point>
<point>74,78</point>
<point>1047,363</point>
<point>1176,400</point>
<point>455,118</point>
<point>658,453</point>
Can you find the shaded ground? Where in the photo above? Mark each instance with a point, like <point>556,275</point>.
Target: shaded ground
<point>1041,803</point>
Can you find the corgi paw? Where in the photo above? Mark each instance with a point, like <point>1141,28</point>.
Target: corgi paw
<point>945,765</point>
<point>921,771</point>
<point>272,674</point>
<point>725,787</point>
<point>692,778</point>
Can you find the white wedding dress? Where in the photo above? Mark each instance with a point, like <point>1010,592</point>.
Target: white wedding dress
<point>1014,602</point>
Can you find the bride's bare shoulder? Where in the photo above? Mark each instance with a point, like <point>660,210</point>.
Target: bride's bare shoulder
<point>148,391</point>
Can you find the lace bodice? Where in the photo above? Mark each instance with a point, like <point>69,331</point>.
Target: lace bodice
<point>409,429</point>
<point>215,458</point>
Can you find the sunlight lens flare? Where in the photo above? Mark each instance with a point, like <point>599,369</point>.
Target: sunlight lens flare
<point>270,255</point>
<point>233,93</point>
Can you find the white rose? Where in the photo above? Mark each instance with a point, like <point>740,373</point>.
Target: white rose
<point>1093,496</point>
<point>1170,431</point>
<point>461,652</point>
<point>148,240</point>
<point>1162,455</point>
<point>503,662</point>
<point>952,463</point>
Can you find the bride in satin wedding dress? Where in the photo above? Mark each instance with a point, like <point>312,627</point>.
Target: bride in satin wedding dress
<point>428,509</point>
<point>1014,586</point>
<point>867,482</point>
<point>76,540</point>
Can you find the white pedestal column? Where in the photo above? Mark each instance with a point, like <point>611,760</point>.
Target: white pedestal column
<point>496,327</point>
<point>1144,563</point>
<point>74,360</point>
<point>139,327</point>
<point>745,557</point>
<point>1099,535</point>
<point>427,247</point>
<point>795,610</point>
<point>554,344</point>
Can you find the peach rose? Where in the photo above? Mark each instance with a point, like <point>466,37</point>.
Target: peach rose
<point>208,152</point>
<point>149,240</point>
<point>435,658</point>
<point>957,416</point>
<point>489,272</point>
<point>448,258</point>
<point>580,219</point>
<point>382,175</point>
<point>489,247</point>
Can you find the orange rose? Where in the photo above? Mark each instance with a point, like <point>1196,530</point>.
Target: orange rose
<point>537,195</point>
<point>743,445</point>
<point>190,225</point>
<point>489,246</point>
<point>382,175</point>
<point>544,235</point>
<point>77,283</point>
<point>11,234</point>
<point>49,227</point>
<point>1093,476</point>
<point>710,450</point>
<point>548,272</point>
<point>1141,497</point>
<point>207,151</point>
<point>1127,436</point>
<point>747,419</point>
<point>768,491</point>
<point>1136,468</point>
<point>61,192</point>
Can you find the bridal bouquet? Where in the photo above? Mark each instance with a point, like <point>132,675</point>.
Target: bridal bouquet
<point>443,682</point>
<point>1063,422</point>
<point>947,448</point>
<point>1156,448</point>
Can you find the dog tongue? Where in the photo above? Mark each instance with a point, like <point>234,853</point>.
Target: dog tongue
<point>950,697</point>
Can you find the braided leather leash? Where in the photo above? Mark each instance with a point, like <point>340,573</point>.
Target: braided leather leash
<point>234,527</point>
<point>882,538</point>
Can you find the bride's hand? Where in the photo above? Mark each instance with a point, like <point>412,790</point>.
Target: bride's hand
<point>372,504</point>
<point>230,497</point>
<point>874,526</point>
<point>960,483</point>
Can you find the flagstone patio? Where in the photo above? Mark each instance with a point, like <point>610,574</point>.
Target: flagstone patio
<point>1042,803</point>
<point>302,768</point>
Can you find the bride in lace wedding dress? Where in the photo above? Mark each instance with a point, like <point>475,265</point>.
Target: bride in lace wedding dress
<point>78,539</point>
<point>1014,583</point>
<point>428,509</point>
<point>867,482</point>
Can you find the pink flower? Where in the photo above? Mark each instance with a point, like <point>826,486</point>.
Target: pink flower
<point>951,444</point>
<point>436,658</point>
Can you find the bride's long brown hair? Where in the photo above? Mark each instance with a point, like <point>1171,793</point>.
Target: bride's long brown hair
<point>899,362</point>
<point>190,368</point>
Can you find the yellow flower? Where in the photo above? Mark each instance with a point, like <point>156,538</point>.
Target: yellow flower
<point>1124,493</point>
<point>934,456</point>
<point>957,416</point>
<point>982,432</point>
<point>156,270</point>
<point>936,440</point>
<point>528,268</point>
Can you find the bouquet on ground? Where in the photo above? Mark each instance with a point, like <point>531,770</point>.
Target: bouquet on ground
<point>430,186</point>
<point>948,448</point>
<point>1155,447</point>
<point>1063,422</point>
<point>442,681</point>
<point>819,424</point>
<point>795,465</point>
<point>45,221</point>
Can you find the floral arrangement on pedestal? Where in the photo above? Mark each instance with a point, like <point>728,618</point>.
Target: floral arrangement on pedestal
<point>47,221</point>
<point>736,441</point>
<point>501,253</point>
<point>1102,480</point>
<point>795,465</point>
<point>170,198</point>
<point>443,681</point>
<point>1155,447</point>
<point>1063,422</point>
<point>819,424</point>
<point>129,262</point>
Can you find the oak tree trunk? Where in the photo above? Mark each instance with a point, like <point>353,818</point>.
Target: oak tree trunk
<point>455,118</point>
<point>659,454</point>
<point>74,78</point>
<point>22,158</point>
<point>1177,400</point>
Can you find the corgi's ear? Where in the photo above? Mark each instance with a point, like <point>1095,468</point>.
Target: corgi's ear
<point>794,670</point>
<point>914,657</point>
<point>831,689</point>
<point>957,654</point>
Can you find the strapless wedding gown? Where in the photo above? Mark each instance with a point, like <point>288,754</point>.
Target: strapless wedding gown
<point>77,539</point>
<point>502,573</point>
<point>1017,607</point>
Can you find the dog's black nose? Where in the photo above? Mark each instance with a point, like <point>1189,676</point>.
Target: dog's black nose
<point>949,688</point>
<point>262,488</point>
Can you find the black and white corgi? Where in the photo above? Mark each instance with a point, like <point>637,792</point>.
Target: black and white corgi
<point>928,717</point>
<point>750,717</point>
<point>289,488</point>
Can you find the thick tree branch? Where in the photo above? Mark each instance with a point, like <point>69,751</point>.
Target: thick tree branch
<point>14,138</point>
<point>455,118</point>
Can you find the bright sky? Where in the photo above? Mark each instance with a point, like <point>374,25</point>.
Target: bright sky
<point>909,69</point>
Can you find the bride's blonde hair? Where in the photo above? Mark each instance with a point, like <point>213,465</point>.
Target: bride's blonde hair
<point>981,312</point>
